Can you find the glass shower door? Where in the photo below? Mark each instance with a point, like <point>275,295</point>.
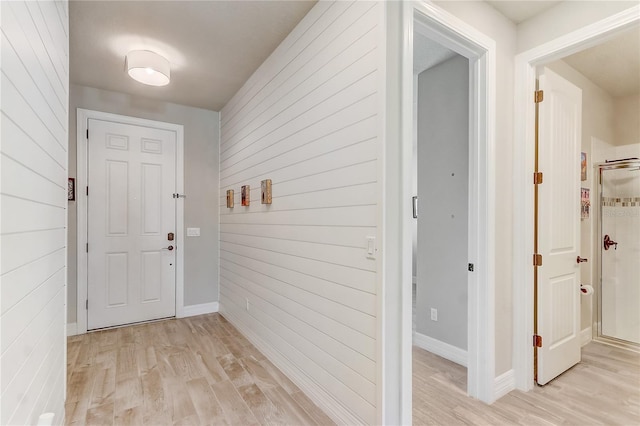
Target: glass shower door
<point>619,301</point>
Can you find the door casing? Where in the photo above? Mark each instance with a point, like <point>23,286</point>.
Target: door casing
<point>396,330</point>
<point>523,168</point>
<point>83,116</point>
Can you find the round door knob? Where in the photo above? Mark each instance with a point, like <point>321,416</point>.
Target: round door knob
<point>170,248</point>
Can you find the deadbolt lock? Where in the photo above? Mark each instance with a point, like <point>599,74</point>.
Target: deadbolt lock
<point>170,236</point>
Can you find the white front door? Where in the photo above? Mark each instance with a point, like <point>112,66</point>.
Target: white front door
<point>131,211</point>
<point>558,319</point>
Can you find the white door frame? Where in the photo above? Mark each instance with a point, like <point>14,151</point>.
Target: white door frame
<point>458,36</point>
<point>81,203</point>
<point>523,168</point>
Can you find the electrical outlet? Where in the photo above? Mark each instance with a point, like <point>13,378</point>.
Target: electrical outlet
<point>247,304</point>
<point>434,314</point>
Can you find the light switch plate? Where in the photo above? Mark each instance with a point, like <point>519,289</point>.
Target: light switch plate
<point>193,232</point>
<point>371,247</point>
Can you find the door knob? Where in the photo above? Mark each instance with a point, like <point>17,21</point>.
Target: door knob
<point>608,242</point>
<point>168,248</point>
<point>581,260</point>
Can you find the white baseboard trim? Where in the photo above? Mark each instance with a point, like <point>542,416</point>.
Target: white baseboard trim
<point>332,407</point>
<point>445,350</point>
<point>72,328</point>
<point>586,336</point>
<point>201,309</point>
<point>504,383</point>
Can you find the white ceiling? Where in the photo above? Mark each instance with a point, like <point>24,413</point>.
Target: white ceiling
<point>213,46</point>
<point>519,11</point>
<point>613,65</point>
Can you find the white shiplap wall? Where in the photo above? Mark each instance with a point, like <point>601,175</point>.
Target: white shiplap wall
<point>294,276</point>
<point>34,99</point>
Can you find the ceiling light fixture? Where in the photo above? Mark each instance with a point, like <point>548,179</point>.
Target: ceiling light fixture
<point>148,67</point>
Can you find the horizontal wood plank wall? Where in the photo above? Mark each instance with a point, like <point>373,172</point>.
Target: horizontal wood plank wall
<point>295,273</point>
<point>34,120</point>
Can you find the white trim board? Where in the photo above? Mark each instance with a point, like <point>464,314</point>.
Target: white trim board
<point>81,203</point>
<point>524,154</point>
<point>72,328</point>
<point>440,348</point>
<point>504,383</point>
<point>200,309</point>
<point>586,336</point>
<point>465,40</point>
<point>334,409</point>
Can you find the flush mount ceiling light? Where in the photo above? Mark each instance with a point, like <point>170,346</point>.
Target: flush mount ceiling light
<point>148,67</point>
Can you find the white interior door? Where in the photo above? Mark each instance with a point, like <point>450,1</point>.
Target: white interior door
<point>131,211</point>
<point>560,124</point>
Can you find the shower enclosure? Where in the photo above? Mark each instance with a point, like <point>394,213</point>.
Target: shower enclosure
<point>618,239</point>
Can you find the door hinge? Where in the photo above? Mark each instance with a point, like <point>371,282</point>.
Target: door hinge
<point>537,260</point>
<point>87,191</point>
<point>470,267</point>
<point>86,305</point>
<point>539,96</point>
<point>537,178</point>
<point>537,341</point>
<point>87,247</point>
<point>87,134</point>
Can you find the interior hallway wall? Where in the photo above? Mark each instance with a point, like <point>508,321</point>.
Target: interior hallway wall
<point>201,164</point>
<point>295,275</point>
<point>443,189</point>
<point>33,200</point>
<point>489,21</point>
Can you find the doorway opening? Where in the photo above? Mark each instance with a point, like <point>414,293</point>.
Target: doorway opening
<point>568,57</point>
<point>441,182</point>
<point>470,308</point>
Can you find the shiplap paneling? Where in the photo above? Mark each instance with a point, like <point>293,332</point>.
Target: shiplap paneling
<point>33,161</point>
<point>295,274</point>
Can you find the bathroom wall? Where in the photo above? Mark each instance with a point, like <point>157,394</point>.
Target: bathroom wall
<point>626,125</point>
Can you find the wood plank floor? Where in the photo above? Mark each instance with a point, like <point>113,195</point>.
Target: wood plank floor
<point>190,371</point>
<point>201,370</point>
<point>604,389</point>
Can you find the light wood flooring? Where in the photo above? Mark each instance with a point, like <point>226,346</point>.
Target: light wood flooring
<point>201,370</point>
<point>190,371</point>
<point>604,389</point>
